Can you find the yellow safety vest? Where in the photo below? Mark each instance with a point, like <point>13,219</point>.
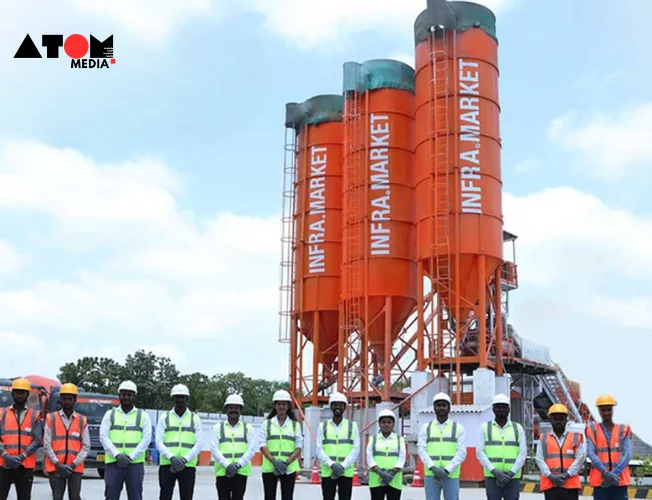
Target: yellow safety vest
<point>386,455</point>
<point>281,444</point>
<point>125,433</point>
<point>338,444</point>
<point>181,437</point>
<point>501,450</point>
<point>441,446</point>
<point>233,444</point>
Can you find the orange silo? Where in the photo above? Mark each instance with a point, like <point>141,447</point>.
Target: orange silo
<point>318,222</point>
<point>379,281</point>
<point>458,186</point>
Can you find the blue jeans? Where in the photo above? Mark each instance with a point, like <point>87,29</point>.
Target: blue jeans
<point>451,488</point>
<point>610,493</point>
<point>511,491</point>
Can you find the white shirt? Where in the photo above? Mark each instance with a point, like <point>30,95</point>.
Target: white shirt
<point>351,458</point>
<point>574,469</point>
<point>460,455</point>
<point>496,431</point>
<point>105,428</point>
<point>215,445</point>
<point>175,422</point>
<point>401,450</point>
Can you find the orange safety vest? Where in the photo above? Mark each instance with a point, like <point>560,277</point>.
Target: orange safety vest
<point>16,438</point>
<point>608,452</point>
<point>560,458</point>
<point>66,443</point>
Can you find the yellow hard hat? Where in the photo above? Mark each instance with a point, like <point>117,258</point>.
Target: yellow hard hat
<point>21,384</point>
<point>69,389</point>
<point>605,400</point>
<point>558,408</point>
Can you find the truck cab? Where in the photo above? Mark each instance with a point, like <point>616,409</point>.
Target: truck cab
<point>36,399</point>
<point>93,406</point>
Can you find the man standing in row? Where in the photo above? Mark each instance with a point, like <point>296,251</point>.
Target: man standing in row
<point>20,436</point>
<point>609,447</point>
<point>502,452</point>
<point>67,442</point>
<point>233,448</point>
<point>338,447</point>
<point>442,450</point>
<point>179,442</point>
<point>560,456</point>
<point>125,434</point>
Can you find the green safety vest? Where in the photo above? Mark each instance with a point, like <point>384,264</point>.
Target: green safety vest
<point>281,444</point>
<point>502,451</point>
<point>180,437</point>
<point>338,444</point>
<point>126,432</point>
<point>233,444</point>
<point>441,446</point>
<point>386,455</point>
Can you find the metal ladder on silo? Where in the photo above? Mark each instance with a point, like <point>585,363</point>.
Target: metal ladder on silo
<point>288,232</point>
<point>439,160</point>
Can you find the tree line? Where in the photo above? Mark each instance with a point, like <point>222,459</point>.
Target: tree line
<point>155,375</point>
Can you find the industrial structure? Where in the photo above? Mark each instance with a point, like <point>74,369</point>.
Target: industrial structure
<point>396,267</point>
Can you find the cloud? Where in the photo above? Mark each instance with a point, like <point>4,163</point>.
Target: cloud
<point>11,260</point>
<point>610,146</point>
<point>137,268</point>
<point>311,24</point>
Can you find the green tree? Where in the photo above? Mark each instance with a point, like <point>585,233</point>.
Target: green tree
<point>94,374</point>
<point>154,375</point>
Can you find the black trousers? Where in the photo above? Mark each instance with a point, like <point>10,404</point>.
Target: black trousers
<point>561,494</point>
<point>231,488</point>
<point>380,492</point>
<point>287,485</point>
<point>343,486</point>
<point>58,486</point>
<point>21,477</point>
<point>168,480</point>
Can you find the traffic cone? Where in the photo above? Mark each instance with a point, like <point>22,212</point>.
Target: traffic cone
<point>356,479</point>
<point>314,479</point>
<point>417,480</point>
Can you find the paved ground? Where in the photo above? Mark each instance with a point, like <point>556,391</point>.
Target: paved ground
<point>93,489</point>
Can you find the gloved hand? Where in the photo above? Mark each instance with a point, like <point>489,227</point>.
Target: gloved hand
<point>557,479</point>
<point>12,462</point>
<point>439,472</point>
<point>610,479</point>
<point>123,460</point>
<point>386,476</point>
<point>177,464</point>
<point>338,470</point>
<point>280,467</point>
<point>501,477</point>
<point>64,470</point>
<point>231,470</point>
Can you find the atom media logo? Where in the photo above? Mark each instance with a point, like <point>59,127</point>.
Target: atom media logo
<point>75,46</point>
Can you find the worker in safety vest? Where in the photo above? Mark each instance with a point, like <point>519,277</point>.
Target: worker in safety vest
<point>338,447</point>
<point>560,456</point>
<point>179,440</point>
<point>20,436</point>
<point>442,449</point>
<point>67,442</point>
<point>609,447</point>
<point>502,452</point>
<point>281,442</point>
<point>385,459</point>
<point>233,448</point>
<point>125,434</point>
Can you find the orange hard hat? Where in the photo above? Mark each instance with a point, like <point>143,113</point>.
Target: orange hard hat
<point>605,400</point>
<point>21,384</point>
<point>558,408</point>
<point>69,389</point>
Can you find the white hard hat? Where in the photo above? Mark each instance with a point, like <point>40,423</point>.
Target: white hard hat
<point>234,399</point>
<point>386,413</point>
<point>282,396</point>
<point>128,385</point>
<point>441,396</point>
<point>180,390</point>
<point>500,399</point>
<point>337,397</point>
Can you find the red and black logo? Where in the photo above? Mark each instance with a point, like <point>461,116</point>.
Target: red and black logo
<point>76,46</point>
